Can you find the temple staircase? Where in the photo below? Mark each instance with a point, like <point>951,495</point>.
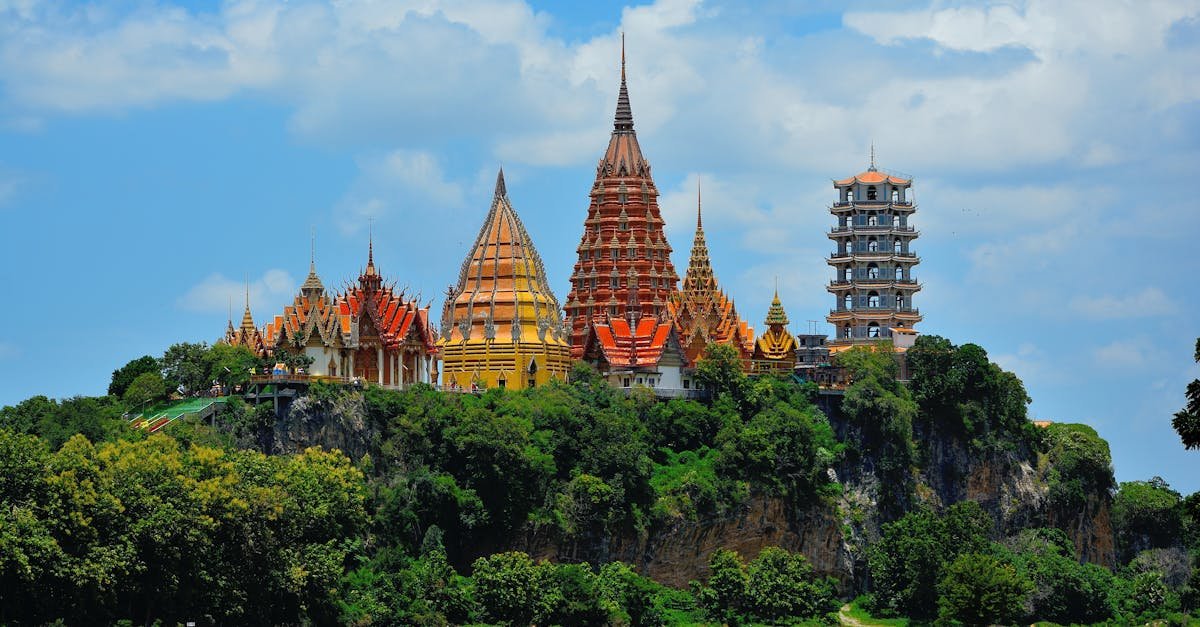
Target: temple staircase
<point>160,416</point>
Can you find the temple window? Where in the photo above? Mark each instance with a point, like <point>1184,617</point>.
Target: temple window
<point>873,329</point>
<point>622,198</point>
<point>872,220</point>
<point>873,245</point>
<point>613,283</point>
<point>896,244</point>
<point>899,273</point>
<point>848,302</point>
<point>625,382</point>
<point>895,195</point>
<point>846,331</point>
<point>624,225</point>
<point>873,299</point>
<point>849,194</point>
<point>899,300</point>
<point>612,310</point>
<point>849,273</point>
<point>872,271</point>
<point>616,254</point>
<point>872,193</point>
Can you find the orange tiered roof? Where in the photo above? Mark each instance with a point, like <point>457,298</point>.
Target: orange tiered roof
<point>311,312</point>
<point>872,177</point>
<point>625,345</point>
<point>701,312</point>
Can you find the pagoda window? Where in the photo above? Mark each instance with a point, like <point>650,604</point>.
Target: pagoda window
<point>616,254</point>
<point>622,198</point>
<point>895,195</point>
<point>624,225</point>
<point>872,193</point>
<point>872,220</point>
<point>873,245</point>
<point>846,332</point>
<point>899,273</point>
<point>842,221</point>
<point>899,300</point>
<point>873,299</point>
<point>896,244</point>
<point>872,271</point>
<point>849,194</point>
<point>612,310</point>
<point>848,302</point>
<point>849,273</point>
<point>873,329</point>
<point>613,283</point>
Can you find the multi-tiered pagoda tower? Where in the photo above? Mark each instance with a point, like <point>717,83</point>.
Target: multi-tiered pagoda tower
<point>501,325</point>
<point>702,313</point>
<point>873,282</point>
<point>624,261</point>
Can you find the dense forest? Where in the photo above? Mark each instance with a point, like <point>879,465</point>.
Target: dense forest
<point>443,508</point>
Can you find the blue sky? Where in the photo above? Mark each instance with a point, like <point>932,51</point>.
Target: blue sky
<point>154,156</point>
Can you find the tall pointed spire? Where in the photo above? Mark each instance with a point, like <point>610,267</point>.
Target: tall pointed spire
<point>623,120</point>
<point>501,190</point>
<point>312,284</point>
<point>699,221</point>
<point>247,319</point>
<point>872,168</point>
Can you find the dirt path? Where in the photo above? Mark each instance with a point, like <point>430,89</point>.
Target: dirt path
<point>845,619</point>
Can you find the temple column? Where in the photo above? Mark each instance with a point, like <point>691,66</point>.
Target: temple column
<point>379,362</point>
<point>351,372</point>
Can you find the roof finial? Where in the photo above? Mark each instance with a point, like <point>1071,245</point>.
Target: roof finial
<point>501,190</point>
<point>312,250</point>
<point>623,121</point>
<point>370,242</point>
<point>699,222</point>
<point>246,280</point>
<point>872,168</point>
<point>776,287</point>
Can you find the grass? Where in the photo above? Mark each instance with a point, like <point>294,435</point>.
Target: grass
<point>860,613</point>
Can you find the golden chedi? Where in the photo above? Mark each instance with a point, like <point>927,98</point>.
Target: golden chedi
<point>775,350</point>
<point>501,325</point>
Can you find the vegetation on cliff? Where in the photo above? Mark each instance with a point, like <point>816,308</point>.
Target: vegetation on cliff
<point>100,522</point>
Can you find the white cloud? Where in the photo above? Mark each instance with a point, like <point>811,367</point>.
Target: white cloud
<point>1124,354</point>
<point>217,293</point>
<point>1027,362</point>
<point>399,181</point>
<point>1149,302</point>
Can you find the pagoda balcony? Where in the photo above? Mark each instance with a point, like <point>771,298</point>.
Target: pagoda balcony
<point>874,205</point>
<point>872,255</point>
<point>872,228</point>
<point>874,309</point>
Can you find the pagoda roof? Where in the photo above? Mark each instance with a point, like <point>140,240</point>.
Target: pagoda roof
<point>626,345</point>
<point>623,157</point>
<point>872,176</point>
<point>502,293</point>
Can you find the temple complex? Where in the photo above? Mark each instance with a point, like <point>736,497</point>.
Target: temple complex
<point>873,284</point>
<point>246,334</point>
<point>775,349</point>
<point>701,312</point>
<point>623,250</point>
<point>501,325</point>
<point>370,332</point>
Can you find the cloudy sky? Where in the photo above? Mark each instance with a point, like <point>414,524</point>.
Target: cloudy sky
<point>154,157</point>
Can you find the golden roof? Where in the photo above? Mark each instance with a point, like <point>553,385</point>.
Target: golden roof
<point>502,292</point>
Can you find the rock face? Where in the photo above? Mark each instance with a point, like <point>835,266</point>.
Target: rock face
<point>340,423</point>
<point>1010,484</point>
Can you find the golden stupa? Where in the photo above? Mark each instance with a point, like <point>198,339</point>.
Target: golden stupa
<point>501,325</point>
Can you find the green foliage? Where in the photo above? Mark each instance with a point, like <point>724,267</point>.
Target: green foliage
<point>96,418</point>
<point>123,376</point>
<point>1187,420</point>
<point>186,367</point>
<point>230,365</point>
<point>1145,515</point>
<point>1065,591</point>
<point>957,388</point>
<point>979,589</point>
<point>632,596</point>
<point>1081,465</point>
<point>512,589</point>
<point>688,487</point>
<point>884,412</point>
<point>778,587</point>
<point>145,389</point>
<point>150,529</point>
<point>910,558</point>
<point>719,371</point>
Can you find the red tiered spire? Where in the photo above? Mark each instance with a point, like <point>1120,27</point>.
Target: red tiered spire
<point>624,257</point>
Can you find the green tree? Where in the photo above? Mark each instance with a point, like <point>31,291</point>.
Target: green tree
<point>979,589</point>
<point>780,585</point>
<point>123,376</point>
<point>511,589</point>
<point>1065,591</point>
<point>720,372</point>
<point>231,365</point>
<point>632,593</point>
<point>1145,515</point>
<point>147,388</point>
<point>910,558</point>
<point>1187,420</point>
<point>1080,465</point>
<point>186,366</point>
<point>723,595</point>
<point>783,449</point>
